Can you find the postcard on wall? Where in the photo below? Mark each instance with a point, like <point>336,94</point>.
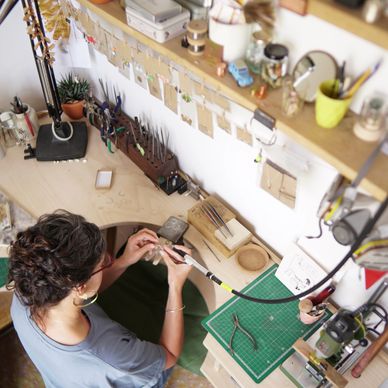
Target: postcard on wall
<point>170,97</point>
<point>205,120</point>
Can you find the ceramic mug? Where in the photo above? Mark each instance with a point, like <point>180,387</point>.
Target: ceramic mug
<point>329,111</point>
<point>233,37</point>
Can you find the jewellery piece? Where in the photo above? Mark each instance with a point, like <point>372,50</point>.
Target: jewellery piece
<point>86,301</point>
<point>175,310</point>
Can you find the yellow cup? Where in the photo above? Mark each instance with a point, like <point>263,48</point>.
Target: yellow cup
<point>330,111</point>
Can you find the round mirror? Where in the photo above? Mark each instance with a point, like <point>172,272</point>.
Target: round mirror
<point>311,70</point>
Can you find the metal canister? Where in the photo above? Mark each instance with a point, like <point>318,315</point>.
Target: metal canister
<point>275,64</point>
<point>196,36</point>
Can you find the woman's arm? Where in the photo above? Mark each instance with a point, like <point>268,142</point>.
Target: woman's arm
<point>137,246</point>
<point>173,328</point>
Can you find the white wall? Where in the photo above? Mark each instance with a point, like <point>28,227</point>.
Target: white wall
<point>18,75</point>
<point>224,165</point>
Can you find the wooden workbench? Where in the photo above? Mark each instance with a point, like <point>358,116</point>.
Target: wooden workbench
<point>42,187</point>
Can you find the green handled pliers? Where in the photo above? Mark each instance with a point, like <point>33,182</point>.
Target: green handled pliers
<point>238,326</point>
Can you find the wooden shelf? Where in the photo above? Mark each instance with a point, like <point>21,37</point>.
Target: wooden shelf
<point>350,20</point>
<point>337,146</point>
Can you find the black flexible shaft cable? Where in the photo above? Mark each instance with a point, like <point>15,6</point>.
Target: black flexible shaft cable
<point>369,226</point>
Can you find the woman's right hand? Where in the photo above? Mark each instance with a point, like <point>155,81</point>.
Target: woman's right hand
<point>178,271</point>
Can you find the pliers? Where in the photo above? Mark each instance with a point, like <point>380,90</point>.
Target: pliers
<point>238,326</point>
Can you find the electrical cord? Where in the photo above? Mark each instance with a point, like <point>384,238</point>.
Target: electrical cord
<point>369,226</point>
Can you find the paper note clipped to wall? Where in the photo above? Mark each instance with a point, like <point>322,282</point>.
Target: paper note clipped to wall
<point>298,271</point>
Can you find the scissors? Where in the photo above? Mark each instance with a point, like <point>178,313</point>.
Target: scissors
<point>238,326</point>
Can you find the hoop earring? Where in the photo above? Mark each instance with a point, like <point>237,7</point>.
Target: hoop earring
<point>87,301</point>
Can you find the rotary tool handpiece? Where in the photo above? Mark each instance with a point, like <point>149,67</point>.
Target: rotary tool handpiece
<point>190,261</point>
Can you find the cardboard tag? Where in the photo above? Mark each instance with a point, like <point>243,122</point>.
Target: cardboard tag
<point>224,124</point>
<point>188,110</point>
<point>243,135</point>
<point>163,70</point>
<point>154,86</point>
<point>202,91</point>
<point>221,101</point>
<point>113,52</point>
<point>205,121</point>
<point>140,75</point>
<point>170,97</point>
<point>185,83</point>
<point>150,64</point>
<point>125,70</point>
<point>139,58</point>
<point>123,52</point>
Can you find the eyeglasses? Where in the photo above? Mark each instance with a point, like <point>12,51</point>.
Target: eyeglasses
<point>107,262</point>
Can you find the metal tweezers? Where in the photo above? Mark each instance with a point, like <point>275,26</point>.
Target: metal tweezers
<point>238,326</point>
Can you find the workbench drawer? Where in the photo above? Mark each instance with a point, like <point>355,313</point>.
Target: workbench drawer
<point>216,374</point>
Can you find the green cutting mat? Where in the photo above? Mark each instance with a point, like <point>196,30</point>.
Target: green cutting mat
<point>274,326</point>
<point>3,270</point>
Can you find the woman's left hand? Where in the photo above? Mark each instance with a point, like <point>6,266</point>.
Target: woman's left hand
<point>138,245</point>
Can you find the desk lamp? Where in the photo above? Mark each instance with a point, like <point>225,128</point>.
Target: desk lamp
<point>60,140</point>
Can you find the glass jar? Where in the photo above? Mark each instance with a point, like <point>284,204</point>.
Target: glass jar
<point>275,64</point>
<point>255,52</point>
<point>370,124</point>
<point>292,101</point>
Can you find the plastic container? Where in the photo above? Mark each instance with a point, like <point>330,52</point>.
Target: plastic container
<point>255,52</point>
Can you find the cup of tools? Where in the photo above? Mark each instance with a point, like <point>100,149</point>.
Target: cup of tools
<point>307,315</point>
<point>329,109</point>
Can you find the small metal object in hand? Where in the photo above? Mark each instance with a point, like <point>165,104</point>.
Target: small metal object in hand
<point>238,326</point>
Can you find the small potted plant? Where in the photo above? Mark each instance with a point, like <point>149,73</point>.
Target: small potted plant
<point>72,92</point>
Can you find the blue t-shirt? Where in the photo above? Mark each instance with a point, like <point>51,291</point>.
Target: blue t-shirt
<point>110,355</point>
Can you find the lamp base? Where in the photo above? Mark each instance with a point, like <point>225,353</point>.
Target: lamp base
<point>48,148</point>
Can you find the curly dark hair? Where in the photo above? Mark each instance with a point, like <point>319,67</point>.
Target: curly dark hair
<point>50,258</point>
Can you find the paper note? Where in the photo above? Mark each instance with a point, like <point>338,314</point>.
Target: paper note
<point>298,271</point>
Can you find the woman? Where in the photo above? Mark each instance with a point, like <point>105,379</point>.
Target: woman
<point>57,267</point>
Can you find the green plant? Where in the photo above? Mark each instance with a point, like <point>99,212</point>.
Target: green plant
<point>71,88</point>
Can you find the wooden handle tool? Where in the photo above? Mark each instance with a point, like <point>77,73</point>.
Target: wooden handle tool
<point>370,353</point>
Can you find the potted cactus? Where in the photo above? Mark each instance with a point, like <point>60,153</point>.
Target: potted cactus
<point>72,92</point>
